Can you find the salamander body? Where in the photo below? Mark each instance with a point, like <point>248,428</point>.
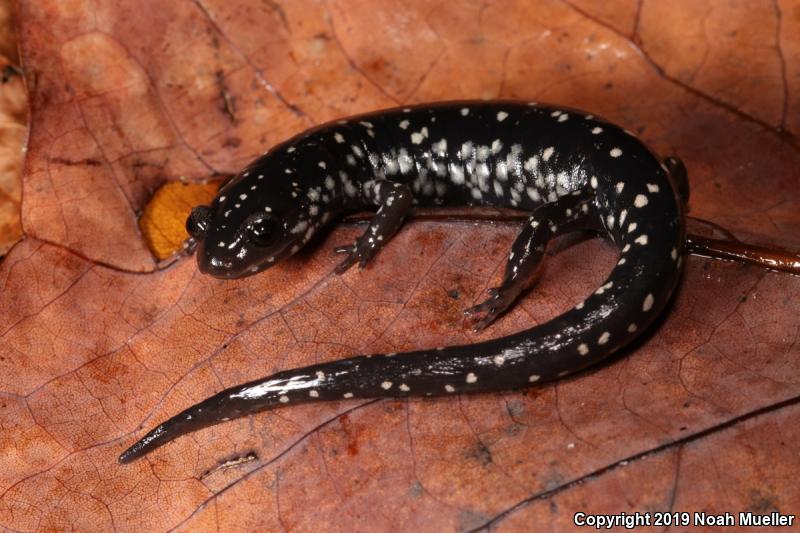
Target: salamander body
<point>570,170</point>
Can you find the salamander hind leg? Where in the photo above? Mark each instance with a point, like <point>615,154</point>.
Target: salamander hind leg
<point>568,213</point>
<point>395,201</point>
<point>680,177</point>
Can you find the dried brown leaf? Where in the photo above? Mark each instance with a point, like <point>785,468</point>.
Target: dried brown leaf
<point>99,345</point>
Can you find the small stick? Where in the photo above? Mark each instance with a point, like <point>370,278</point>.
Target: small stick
<point>735,250</point>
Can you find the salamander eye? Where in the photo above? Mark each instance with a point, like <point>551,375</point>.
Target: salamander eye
<point>262,231</point>
<point>198,221</point>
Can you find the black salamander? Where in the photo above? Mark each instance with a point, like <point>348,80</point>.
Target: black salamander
<point>570,170</point>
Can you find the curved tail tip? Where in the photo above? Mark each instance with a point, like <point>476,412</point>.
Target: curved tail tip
<point>127,456</point>
<point>136,451</point>
<point>145,445</point>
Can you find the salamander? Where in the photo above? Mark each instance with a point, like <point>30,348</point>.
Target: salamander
<point>570,170</point>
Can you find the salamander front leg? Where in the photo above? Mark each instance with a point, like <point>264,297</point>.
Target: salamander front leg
<point>567,214</point>
<point>395,202</point>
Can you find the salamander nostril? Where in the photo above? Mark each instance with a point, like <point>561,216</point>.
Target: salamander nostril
<point>198,221</point>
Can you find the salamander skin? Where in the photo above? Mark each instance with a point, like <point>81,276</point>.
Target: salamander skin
<point>570,170</point>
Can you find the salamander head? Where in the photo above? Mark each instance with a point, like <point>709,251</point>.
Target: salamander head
<point>249,227</point>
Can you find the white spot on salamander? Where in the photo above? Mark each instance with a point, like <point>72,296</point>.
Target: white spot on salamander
<point>300,227</point>
<point>615,152</point>
<point>457,174</point>
<point>501,116</point>
<point>548,153</point>
<point>417,137</point>
<point>404,162</point>
<point>471,378</point>
<point>440,147</point>
<point>640,200</point>
<point>583,349</point>
<point>604,288</point>
<point>386,385</point>
<point>357,150</point>
<point>597,130</point>
<point>604,338</point>
<point>648,303</point>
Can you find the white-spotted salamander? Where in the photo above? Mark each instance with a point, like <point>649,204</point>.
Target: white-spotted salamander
<point>570,170</point>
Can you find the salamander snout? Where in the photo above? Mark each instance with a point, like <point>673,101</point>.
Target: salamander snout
<point>199,221</point>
